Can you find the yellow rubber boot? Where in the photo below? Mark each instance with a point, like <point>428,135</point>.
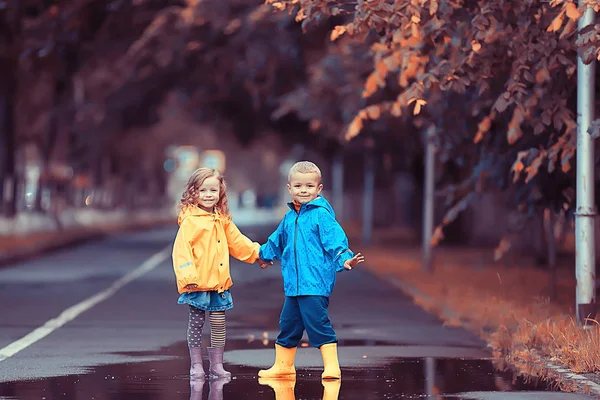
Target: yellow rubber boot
<point>330,361</point>
<point>331,389</point>
<point>283,388</point>
<point>283,366</point>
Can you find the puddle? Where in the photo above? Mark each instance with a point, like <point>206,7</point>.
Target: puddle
<point>397,378</point>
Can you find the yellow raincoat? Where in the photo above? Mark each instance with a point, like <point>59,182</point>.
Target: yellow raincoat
<point>202,248</point>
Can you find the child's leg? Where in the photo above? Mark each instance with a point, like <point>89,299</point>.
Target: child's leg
<point>218,333</point>
<point>194,339</point>
<point>315,314</point>
<point>291,329</point>
<point>291,326</point>
<point>217,343</point>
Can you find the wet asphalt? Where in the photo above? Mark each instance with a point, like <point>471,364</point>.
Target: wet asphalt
<point>130,343</point>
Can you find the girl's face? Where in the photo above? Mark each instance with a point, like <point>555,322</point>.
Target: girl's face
<point>208,194</point>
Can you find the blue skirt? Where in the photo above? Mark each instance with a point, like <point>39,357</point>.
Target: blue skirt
<point>208,301</point>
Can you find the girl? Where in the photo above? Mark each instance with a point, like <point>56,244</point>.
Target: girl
<point>205,239</point>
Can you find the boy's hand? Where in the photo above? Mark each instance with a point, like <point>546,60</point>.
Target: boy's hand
<point>264,264</point>
<point>354,261</point>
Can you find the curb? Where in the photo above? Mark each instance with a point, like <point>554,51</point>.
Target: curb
<point>33,251</point>
<point>592,387</point>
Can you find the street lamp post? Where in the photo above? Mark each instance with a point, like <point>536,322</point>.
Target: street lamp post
<point>585,253</point>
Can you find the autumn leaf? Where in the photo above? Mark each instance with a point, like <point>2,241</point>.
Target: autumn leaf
<point>415,30</point>
<point>418,105</point>
<point>392,62</point>
<point>514,134</point>
<point>373,112</point>
<point>438,235</point>
<point>572,11</point>
<point>478,137</point>
<point>502,248</point>
<point>433,7</point>
<point>556,23</point>
<point>533,169</point>
<point>518,165</point>
<point>564,161</point>
<point>594,129</point>
<point>337,32</point>
<point>396,109</point>
<point>482,128</point>
<point>569,28</point>
<point>501,104</point>
<point>278,5</point>
<point>354,128</point>
<point>373,82</point>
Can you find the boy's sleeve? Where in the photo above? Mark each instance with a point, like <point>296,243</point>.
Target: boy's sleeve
<point>333,238</point>
<point>240,246</point>
<point>273,249</point>
<point>183,258</point>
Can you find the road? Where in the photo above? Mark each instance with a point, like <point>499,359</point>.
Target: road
<point>100,321</point>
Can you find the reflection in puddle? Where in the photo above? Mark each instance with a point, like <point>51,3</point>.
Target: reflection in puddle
<point>168,379</point>
<point>215,388</point>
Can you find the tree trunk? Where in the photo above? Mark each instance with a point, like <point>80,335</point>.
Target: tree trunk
<point>551,252</point>
<point>10,29</point>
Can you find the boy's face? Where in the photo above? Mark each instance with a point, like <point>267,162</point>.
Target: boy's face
<point>208,194</point>
<point>304,187</point>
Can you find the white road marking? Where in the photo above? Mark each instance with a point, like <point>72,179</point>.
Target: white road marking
<point>72,312</point>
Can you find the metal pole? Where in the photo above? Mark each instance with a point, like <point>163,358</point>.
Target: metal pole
<point>368,195</point>
<point>429,376</point>
<point>428,198</point>
<point>338,184</point>
<point>585,252</point>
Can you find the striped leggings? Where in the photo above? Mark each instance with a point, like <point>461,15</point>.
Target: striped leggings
<point>196,323</point>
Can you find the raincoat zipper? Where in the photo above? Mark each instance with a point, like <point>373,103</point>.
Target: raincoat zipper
<point>296,252</point>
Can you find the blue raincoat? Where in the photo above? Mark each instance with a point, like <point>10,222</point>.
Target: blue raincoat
<point>312,247</point>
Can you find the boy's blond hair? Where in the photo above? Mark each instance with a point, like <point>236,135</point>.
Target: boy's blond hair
<point>304,167</point>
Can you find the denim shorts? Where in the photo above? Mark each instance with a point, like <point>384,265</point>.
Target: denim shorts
<point>208,301</point>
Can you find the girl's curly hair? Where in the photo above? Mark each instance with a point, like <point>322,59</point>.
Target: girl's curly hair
<point>191,192</point>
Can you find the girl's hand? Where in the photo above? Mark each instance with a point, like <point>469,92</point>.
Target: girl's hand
<point>354,261</point>
<point>191,286</point>
<point>264,264</point>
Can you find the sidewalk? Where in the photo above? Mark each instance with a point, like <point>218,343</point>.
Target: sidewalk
<point>31,234</point>
<point>505,303</point>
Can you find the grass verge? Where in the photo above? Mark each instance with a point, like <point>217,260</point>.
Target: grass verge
<point>506,303</point>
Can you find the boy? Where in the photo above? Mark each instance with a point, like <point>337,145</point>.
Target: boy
<point>312,247</point>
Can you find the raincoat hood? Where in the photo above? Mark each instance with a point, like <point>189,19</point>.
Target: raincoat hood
<point>320,201</point>
<point>195,211</point>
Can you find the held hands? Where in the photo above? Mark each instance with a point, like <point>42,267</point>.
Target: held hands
<point>354,261</point>
<point>264,264</point>
<point>191,286</point>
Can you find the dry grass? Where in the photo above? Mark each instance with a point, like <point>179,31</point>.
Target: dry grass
<point>506,303</point>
